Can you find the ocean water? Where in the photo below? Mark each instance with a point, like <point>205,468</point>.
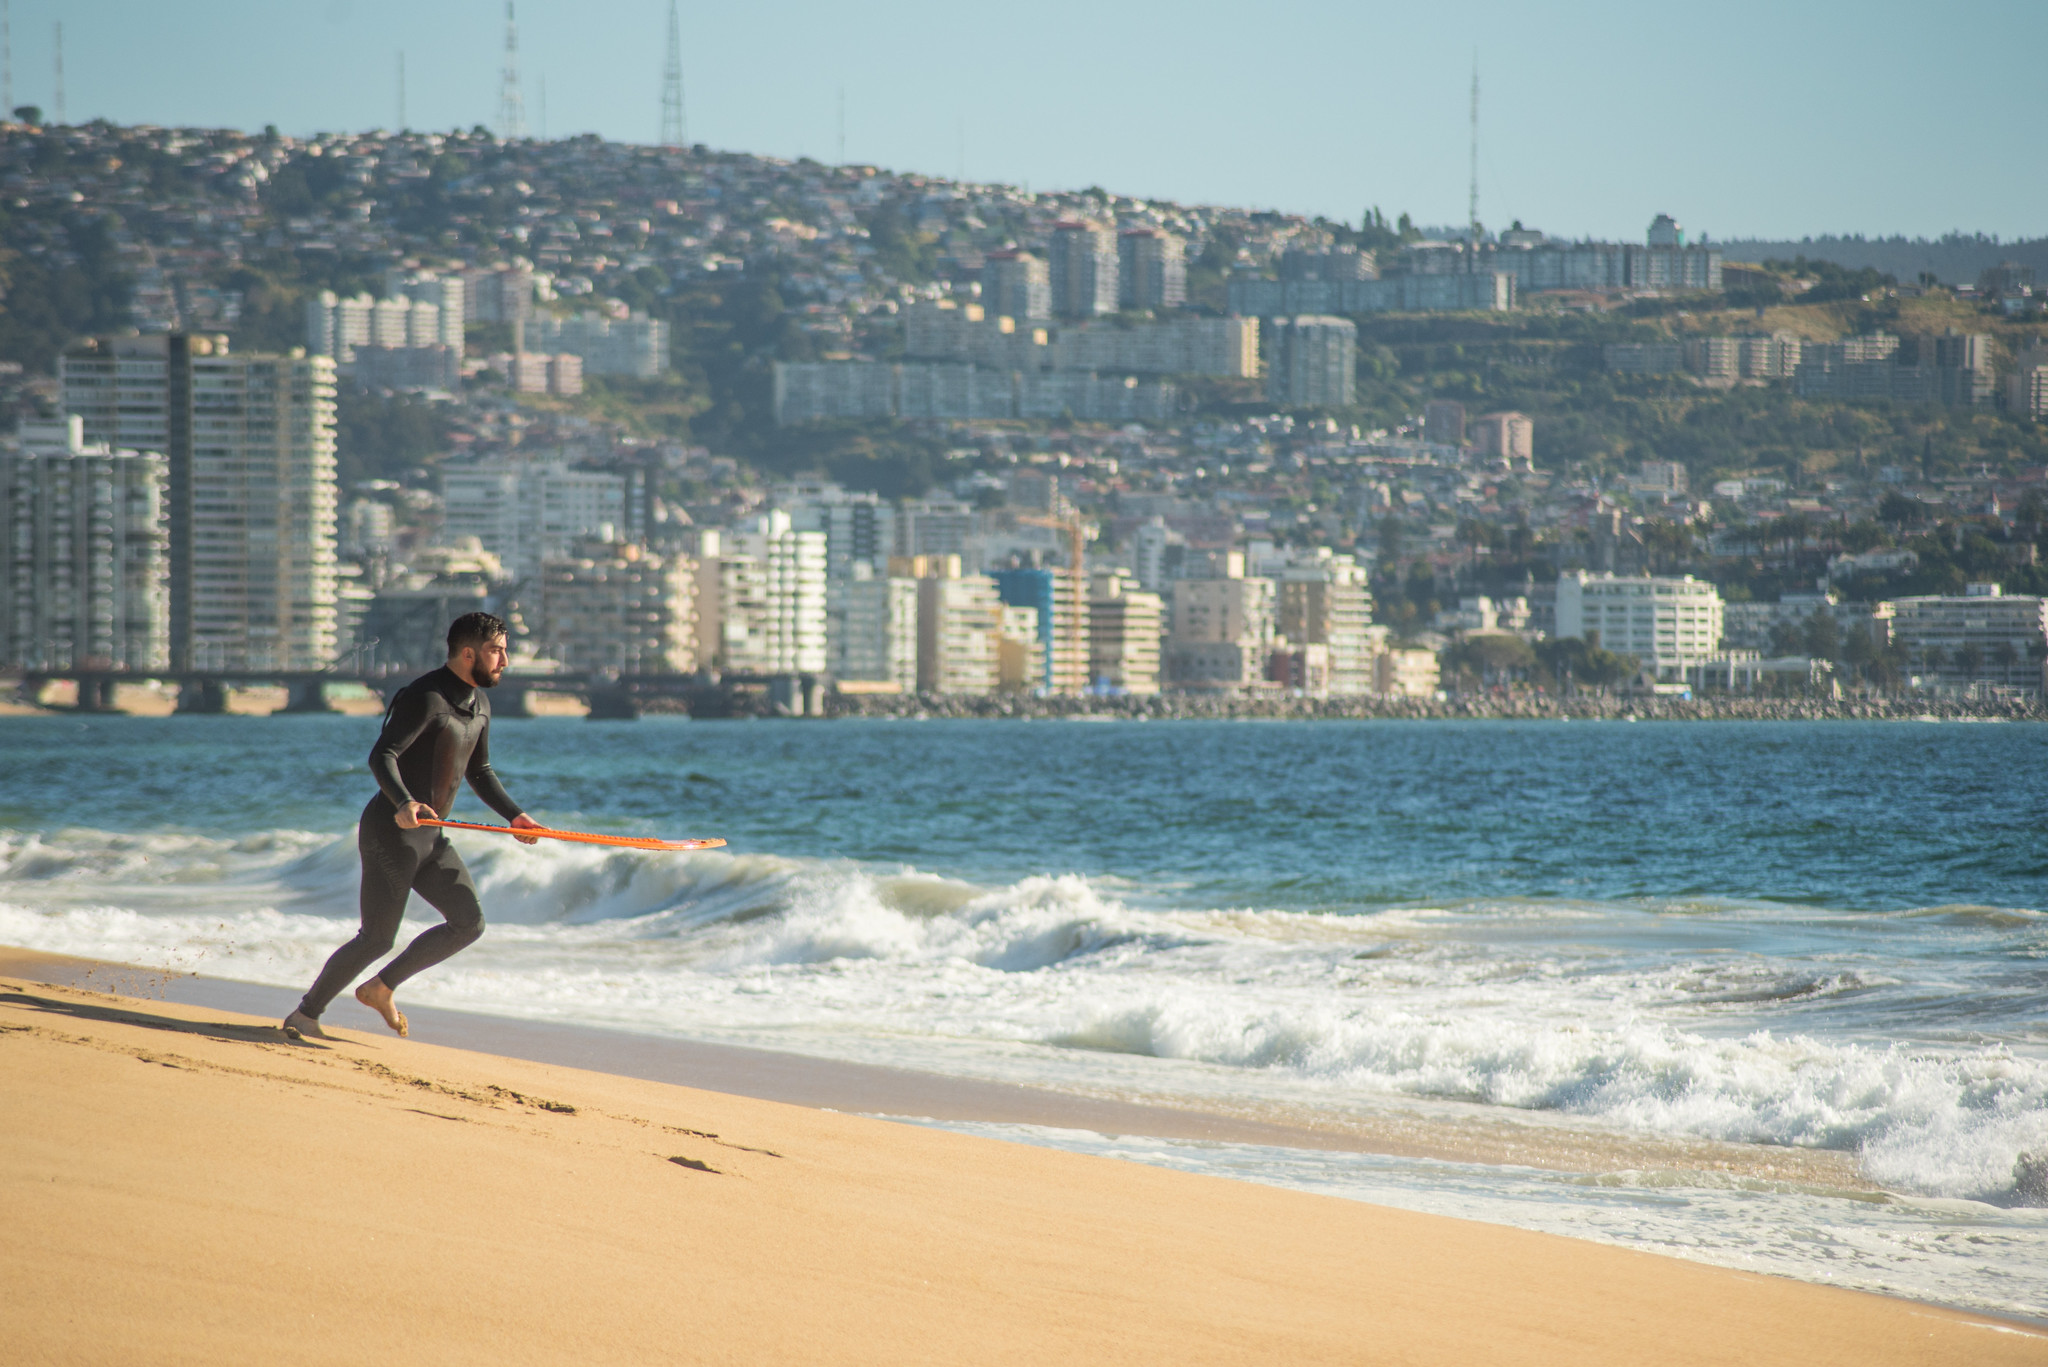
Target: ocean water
<point>1773,996</point>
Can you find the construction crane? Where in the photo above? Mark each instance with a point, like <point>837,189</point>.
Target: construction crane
<point>1077,620</point>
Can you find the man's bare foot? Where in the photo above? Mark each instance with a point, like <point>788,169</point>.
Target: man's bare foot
<point>299,1025</point>
<point>375,995</point>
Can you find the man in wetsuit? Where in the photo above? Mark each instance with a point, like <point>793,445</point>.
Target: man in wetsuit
<point>436,733</point>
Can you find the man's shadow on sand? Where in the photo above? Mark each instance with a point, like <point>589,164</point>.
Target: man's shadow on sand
<point>117,1015</point>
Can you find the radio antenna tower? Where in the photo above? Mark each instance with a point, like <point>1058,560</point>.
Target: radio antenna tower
<point>60,72</point>
<point>511,104</point>
<point>674,132</point>
<point>1473,208</point>
<point>6,61</point>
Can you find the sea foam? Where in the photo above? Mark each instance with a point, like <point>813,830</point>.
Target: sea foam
<point>1544,1007</point>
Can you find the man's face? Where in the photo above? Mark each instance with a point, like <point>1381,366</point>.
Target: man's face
<point>486,662</point>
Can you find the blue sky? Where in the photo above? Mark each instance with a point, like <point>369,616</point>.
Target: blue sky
<point>1740,118</point>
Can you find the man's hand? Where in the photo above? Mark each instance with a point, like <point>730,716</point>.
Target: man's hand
<point>524,822</point>
<point>409,815</point>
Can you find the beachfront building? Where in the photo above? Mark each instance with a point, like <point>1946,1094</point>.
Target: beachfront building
<point>960,625</point>
<point>772,601</point>
<point>1406,673</point>
<point>1125,624</point>
<point>1221,630</point>
<point>1323,599</point>
<point>83,541</point>
<point>1060,601</point>
<point>1984,638</point>
<point>1669,625</point>
<point>248,444</point>
<point>618,608</point>
<point>871,629</point>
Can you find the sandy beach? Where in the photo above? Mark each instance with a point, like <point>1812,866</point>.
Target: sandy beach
<point>184,1185</point>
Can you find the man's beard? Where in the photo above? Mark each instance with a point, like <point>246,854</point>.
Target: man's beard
<point>484,676</point>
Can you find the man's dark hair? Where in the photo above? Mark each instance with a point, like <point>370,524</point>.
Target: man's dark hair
<point>474,629</point>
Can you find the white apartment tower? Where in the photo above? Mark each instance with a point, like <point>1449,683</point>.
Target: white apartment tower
<point>960,625</point>
<point>1667,624</point>
<point>249,450</point>
<point>772,613</point>
<point>83,542</point>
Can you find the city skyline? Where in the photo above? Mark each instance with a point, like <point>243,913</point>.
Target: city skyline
<point>1752,103</point>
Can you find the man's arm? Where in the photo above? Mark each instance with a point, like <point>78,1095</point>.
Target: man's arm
<point>483,781</point>
<point>402,726</point>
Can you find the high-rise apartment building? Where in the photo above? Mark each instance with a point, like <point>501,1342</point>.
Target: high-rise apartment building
<point>1016,284</point>
<point>1324,599</point>
<point>446,295</point>
<point>859,527</point>
<point>959,630</point>
<point>336,326</point>
<point>871,627</point>
<point>1060,599</point>
<point>430,316</point>
<point>248,442</point>
<point>772,609</point>
<point>1151,269</point>
<point>1221,632</point>
<point>1082,270</point>
<point>527,512</point>
<point>1125,624</point>
<point>2026,389</point>
<point>618,607</point>
<point>83,537</point>
<point>1314,362</point>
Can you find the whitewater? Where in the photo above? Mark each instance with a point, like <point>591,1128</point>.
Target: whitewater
<point>1700,952</point>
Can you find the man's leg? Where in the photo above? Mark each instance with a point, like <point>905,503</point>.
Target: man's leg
<point>388,868</point>
<point>443,881</point>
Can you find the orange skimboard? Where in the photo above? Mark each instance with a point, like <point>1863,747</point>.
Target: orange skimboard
<point>629,842</point>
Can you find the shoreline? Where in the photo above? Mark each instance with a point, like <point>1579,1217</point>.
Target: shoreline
<point>1181,707</point>
<point>863,1088</point>
<point>238,1197</point>
<point>1483,707</point>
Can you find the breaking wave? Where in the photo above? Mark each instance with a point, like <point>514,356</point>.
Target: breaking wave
<point>1515,1004</point>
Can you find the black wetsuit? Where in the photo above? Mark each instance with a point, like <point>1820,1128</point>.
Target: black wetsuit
<point>436,734</point>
